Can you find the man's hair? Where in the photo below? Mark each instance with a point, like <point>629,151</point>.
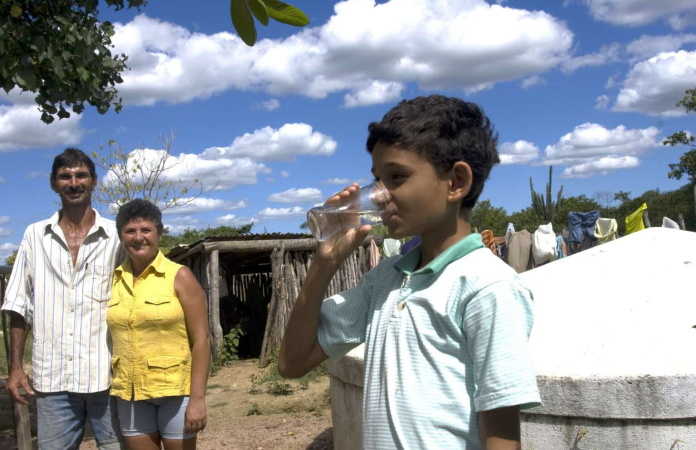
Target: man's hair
<point>444,130</point>
<point>73,157</point>
<point>138,209</point>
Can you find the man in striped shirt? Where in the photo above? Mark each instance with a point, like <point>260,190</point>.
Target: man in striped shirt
<point>60,287</point>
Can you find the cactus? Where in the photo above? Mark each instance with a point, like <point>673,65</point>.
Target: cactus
<point>549,209</point>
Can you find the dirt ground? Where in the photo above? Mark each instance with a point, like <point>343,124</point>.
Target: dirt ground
<point>238,419</point>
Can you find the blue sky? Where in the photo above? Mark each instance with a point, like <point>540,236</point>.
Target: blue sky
<point>588,86</point>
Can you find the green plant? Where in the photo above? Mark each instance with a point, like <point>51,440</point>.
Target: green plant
<point>277,388</point>
<point>549,209</point>
<point>255,384</point>
<point>230,344</point>
<point>254,410</point>
<point>219,405</point>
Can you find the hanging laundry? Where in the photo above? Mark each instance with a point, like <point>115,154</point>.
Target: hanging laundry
<point>391,247</point>
<point>669,223</point>
<point>634,222</point>
<point>580,225</point>
<point>374,254</point>
<point>519,251</point>
<point>605,230</point>
<point>510,228</point>
<point>407,247</point>
<point>561,251</point>
<point>544,244</point>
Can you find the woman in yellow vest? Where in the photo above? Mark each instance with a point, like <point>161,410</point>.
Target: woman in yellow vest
<point>158,322</point>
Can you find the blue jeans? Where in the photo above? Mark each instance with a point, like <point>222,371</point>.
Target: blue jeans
<point>61,420</point>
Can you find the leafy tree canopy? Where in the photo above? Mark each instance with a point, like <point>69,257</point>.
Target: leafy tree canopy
<point>59,50</point>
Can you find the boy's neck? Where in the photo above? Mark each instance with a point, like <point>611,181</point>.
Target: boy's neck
<point>442,238</point>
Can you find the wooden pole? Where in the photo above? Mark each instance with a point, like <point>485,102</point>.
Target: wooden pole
<point>646,219</point>
<point>271,320</point>
<point>682,225</point>
<point>216,330</point>
<point>20,412</point>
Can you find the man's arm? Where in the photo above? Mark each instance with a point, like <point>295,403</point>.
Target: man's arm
<point>18,378</point>
<point>499,429</point>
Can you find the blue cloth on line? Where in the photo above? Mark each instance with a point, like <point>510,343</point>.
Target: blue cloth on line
<point>580,224</point>
<point>410,245</point>
<point>559,247</point>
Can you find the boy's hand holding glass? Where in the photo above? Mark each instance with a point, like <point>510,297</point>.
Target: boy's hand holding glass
<point>346,219</point>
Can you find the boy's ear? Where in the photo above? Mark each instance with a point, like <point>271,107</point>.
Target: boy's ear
<point>461,180</point>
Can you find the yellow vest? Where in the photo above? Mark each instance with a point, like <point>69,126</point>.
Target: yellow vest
<point>151,356</point>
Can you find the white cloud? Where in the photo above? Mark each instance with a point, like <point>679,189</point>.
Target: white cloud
<point>602,102</point>
<point>635,13</point>
<point>284,144</point>
<point>611,82</point>
<point>654,86</point>
<point>606,54</point>
<point>373,93</point>
<point>5,232</point>
<point>234,221</point>
<point>305,195</point>
<point>21,128</point>
<point>648,46</point>
<point>520,152</point>
<point>34,174</point>
<point>4,219</point>
<point>221,173</point>
<point>200,204</point>
<point>281,213</point>
<point>361,44</point>
<point>178,225</point>
<point>6,250</point>
<point>591,148</point>
<point>270,105</point>
<point>346,181</point>
<point>602,166</point>
<point>534,80</point>
<point>284,173</point>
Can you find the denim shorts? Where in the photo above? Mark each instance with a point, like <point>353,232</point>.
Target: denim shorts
<point>165,415</point>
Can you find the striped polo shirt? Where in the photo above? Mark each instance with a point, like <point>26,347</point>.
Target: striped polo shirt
<point>442,343</point>
<point>66,304</point>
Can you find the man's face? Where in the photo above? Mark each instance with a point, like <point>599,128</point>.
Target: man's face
<point>418,195</point>
<point>74,185</point>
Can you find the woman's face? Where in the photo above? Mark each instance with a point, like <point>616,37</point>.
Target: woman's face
<point>141,239</point>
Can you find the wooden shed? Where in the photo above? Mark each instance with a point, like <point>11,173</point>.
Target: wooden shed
<point>255,279</point>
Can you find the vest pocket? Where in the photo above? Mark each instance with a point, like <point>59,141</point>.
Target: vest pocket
<point>158,308</point>
<point>164,372</point>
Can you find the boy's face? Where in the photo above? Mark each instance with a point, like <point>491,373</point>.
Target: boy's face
<point>420,199</point>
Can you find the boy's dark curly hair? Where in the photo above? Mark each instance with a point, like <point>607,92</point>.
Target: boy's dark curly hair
<point>444,130</point>
<point>139,209</point>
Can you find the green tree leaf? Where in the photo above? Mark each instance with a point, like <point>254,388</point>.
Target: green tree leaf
<point>243,21</point>
<point>26,78</point>
<point>15,11</point>
<point>258,8</point>
<point>287,14</point>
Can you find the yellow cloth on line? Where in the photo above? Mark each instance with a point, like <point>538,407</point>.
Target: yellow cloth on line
<point>605,230</point>
<point>634,222</point>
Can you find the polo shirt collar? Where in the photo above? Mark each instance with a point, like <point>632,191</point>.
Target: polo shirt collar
<point>410,260</point>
